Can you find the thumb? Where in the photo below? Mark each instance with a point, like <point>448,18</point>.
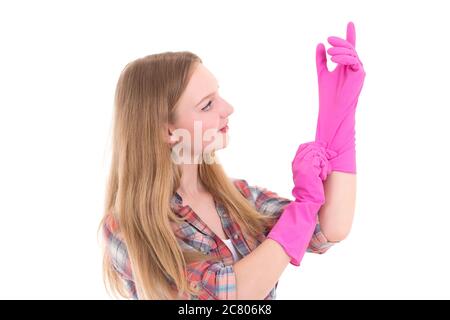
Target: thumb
<point>321,58</point>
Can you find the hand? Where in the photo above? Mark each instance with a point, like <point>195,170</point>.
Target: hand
<point>338,97</point>
<point>309,168</point>
<point>295,226</point>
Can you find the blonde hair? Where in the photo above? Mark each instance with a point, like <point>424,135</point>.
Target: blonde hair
<point>143,179</point>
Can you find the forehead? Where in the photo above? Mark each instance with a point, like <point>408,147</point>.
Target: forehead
<point>201,83</point>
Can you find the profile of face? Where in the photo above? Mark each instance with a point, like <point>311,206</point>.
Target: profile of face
<point>201,119</point>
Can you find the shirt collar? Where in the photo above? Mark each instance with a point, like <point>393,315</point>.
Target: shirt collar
<point>177,205</point>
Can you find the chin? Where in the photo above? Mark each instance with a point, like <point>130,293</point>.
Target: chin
<point>218,144</point>
<point>221,141</point>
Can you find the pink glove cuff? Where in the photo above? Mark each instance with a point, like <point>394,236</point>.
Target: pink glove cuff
<point>294,229</point>
<point>342,144</point>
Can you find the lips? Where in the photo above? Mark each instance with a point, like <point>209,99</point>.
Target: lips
<point>224,128</point>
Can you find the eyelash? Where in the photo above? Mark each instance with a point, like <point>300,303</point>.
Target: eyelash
<point>209,104</point>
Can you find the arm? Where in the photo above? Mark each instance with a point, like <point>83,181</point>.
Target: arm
<point>251,278</point>
<point>336,215</point>
<point>271,204</point>
<point>256,275</point>
<point>258,272</point>
<point>339,91</point>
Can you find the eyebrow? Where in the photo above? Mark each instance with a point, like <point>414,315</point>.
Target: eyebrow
<point>208,96</point>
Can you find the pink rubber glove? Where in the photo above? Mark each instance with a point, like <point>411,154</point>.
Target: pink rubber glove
<point>338,97</point>
<point>295,227</point>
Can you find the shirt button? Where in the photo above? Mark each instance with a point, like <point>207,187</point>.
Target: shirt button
<point>194,285</point>
<point>236,236</point>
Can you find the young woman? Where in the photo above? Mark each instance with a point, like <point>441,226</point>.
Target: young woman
<point>176,226</point>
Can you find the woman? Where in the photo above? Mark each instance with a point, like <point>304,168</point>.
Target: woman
<point>176,227</point>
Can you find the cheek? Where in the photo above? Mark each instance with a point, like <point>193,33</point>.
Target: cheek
<point>188,123</point>
<point>210,126</point>
<point>208,122</point>
<point>202,127</point>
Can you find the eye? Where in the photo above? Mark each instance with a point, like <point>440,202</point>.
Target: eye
<point>207,107</point>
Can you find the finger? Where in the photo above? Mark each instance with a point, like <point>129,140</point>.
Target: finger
<point>339,42</point>
<point>330,154</point>
<point>340,50</point>
<point>344,59</point>
<point>322,165</point>
<point>321,58</point>
<point>303,150</point>
<point>309,152</point>
<point>351,33</point>
<point>323,174</point>
<point>303,146</point>
<point>320,143</point>
<point>354,67</point>
<point>306,154</point>
<point>300,151</point>
<point>325,171</point>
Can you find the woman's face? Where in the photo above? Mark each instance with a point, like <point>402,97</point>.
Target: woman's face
<point>200,115</point>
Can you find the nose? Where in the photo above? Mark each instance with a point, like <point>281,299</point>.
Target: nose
<point>227,109</point>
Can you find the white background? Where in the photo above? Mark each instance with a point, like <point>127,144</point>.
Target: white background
<point>59,64</point>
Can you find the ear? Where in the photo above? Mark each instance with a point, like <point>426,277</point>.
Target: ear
<point>169,137</point>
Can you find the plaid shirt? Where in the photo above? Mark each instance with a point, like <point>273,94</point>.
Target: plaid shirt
<point>216,280</point>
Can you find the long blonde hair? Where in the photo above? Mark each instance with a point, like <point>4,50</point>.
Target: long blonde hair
<point>143,179</point>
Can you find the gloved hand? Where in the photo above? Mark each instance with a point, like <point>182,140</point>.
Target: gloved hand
<point>310,168</point>
<point>295,226</point>
<point>338,97</point>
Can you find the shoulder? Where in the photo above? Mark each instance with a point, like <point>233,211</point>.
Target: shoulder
<point>242,186</point>
<point>255,193</point>
<point>249,191</point>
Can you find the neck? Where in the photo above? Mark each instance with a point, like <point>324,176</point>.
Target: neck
<point>190,184</point>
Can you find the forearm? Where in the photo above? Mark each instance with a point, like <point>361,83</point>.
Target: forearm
<point>259,271</point>
<point>336,215</point>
